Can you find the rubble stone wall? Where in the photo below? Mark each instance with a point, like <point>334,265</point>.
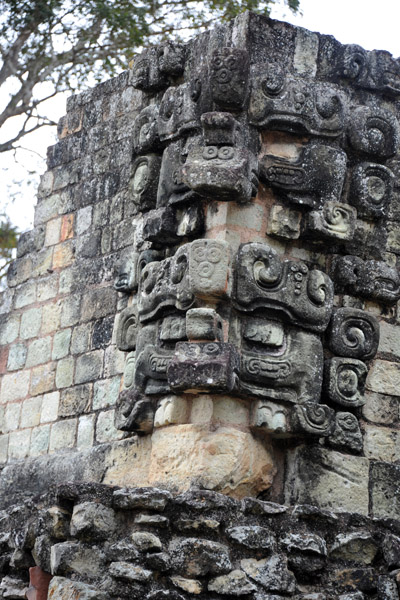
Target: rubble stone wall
<point>209,299</point>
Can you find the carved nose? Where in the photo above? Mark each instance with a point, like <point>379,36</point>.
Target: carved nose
<point>203,366</point>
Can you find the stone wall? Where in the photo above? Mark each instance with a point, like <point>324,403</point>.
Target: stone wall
<point>208,298</point>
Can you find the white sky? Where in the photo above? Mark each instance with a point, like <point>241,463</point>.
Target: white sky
<point>374,24</point>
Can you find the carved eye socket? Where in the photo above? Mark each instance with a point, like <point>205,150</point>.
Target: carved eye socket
<point>348,422</point>
<point>230,62</point>
<point>226,152</point>
<point>211,349</point>
<point>195,90</point>
<point>347,382</point>
<point>327,106</point>
<point>267,272</point>
<point>224,75</point>
<point>273,82</point>
<point>179,269</point>
<point>316,287</point>
<point>218,62</point>
<point>210,152</point>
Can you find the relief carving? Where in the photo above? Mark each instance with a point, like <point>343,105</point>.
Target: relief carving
<point>294,104</point>
<point>353,333</point>
<point>368,278</point>
<point>231,345</point>
<point>262,280</point>
<point>316,177</point>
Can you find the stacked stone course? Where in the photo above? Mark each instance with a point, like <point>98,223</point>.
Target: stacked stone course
<point>209,299</point>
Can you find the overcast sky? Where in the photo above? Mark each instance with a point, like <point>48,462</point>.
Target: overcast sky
<point>374,24</point>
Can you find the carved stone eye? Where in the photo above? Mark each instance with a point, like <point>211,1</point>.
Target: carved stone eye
<point>210,152</point>
<point>226,152</point>
<point>274,80</point>
<point>347,382</point>
<point>327,106</point>
<point>211,349</point>
<point>267,273</point>
<point>195,90</point>
<point>223,75</point>
<point>316,287</point>
<point>179,269</point>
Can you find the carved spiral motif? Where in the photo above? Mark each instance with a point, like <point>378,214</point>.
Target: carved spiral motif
<point>316,415</point>
<point>129,373</point>
<point>317,288</point>
<point>268,271</point>
<point>354,61</point>
<point>337,219</point>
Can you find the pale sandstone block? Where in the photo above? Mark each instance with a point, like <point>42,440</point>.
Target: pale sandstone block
<point>171,410</point>
<point>40,438</point>
<point>379,408</point>
<point>50,404</point>
<point>3,448</point>
<point>30,323</point>
<point>51,317</point>
<point>14,386</point>
<point>11,416</point>
<point>105,429</point>
<point>389,340</point>
<point>381,443</point>
<point>202,409</point>
<point>42,379</point>
<point>53,229</point>
<point>62,435</point>
<point>18,444</point>
<point>30,412</point>
<point>384,378</point>
<point>85,432</point>
<point>38,352</point>
<point>328,479</point>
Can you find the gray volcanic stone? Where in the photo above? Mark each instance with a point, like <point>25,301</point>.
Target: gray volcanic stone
<point>149,498</point>
<point>234,583</point>
<point>146,542</point>
<point>92,520</point>
<point>272,573</point>
<point>127,571</point>
<point>252,536</point>
<point>391,550</point>
<point>64,589</point>
<point>194,557</point>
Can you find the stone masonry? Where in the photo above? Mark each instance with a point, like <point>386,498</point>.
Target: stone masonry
<point>199,341</point>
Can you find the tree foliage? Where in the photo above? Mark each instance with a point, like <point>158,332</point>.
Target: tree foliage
<point>8,241</point>
<point>49,46</point>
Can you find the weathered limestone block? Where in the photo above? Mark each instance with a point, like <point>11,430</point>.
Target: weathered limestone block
<point>64,589</point>
<point>226,460</point>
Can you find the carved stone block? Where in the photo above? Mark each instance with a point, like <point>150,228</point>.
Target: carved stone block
<point>199,269</point>
<point>203,324</point>
<point>203,366</point>
<point>143,184</point>
<point>171,188</point>
<point>353,333</point>
<point>134,412</point>
<point>335,220</point>
<point>151,370</point>
<point>126,276</point>
<point>312,418</point>
<point>280,362</point>
<point>229,69</point>
<point>376,70</point>
<point>371,190</point>
<point>368,278</point>
<point>345,381</point>
<point>346,434</point>
<point>146,74</point>
<point>179,112</point>
<point>374,131</point>
<point>317,176</point>
<point>270,416</point>
<point>145,130</point>
<point>168,225</point>
<point>284,222</point>
<point>171,410</point>
<point>171,58</point>
<point>262,280</point>
<point>288,103</point>
<point>127,328</point>
<point>220,166</point>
